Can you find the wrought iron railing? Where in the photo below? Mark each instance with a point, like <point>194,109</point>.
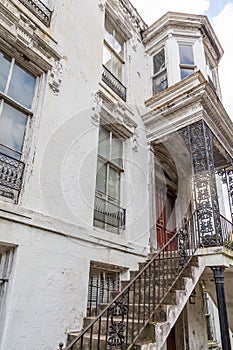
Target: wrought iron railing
<point>114,83</point>
<point>227,232</point>
<point>122,322</point>
<point>109,213</point>
<point>39,9</point>
<point>124,319</point>
<point>11,175</point>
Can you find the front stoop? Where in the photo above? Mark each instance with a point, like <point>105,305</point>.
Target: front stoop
<point>162,329</point>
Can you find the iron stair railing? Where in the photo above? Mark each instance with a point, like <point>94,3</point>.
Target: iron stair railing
<point>121,323</point>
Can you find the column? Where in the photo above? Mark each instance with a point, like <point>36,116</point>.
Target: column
<point>222,310</point>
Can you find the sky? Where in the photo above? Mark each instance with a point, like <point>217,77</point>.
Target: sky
<point>220,14</point>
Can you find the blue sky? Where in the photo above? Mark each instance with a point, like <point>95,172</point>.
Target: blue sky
<point>216,6</point>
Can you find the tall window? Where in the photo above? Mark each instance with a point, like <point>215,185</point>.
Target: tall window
<point>17,87</point>
<point>113,55</point>
<point>108,213</point>
<point>113,60</point>
<point>159,79</point>
<point>187,65</point>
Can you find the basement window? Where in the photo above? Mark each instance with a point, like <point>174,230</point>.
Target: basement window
<point>100,287</point>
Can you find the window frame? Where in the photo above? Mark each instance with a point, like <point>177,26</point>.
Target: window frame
<point>191,67</point>
<point>109,24</point>
<point>161,71</point>
<point>6,99</point>
<point>105,196</point>
<point>109,163</point>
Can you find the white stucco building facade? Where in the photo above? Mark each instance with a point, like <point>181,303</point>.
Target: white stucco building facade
<point>88,98</point>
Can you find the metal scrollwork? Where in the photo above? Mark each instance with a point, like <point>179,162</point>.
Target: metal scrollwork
<point>226,176</point>
<point>182,247</point>
<point>117,328</point>
<point>199,140</point>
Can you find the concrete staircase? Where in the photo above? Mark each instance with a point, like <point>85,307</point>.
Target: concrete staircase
<point>154,295</point>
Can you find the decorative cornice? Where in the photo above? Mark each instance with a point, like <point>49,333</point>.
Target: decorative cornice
<point>190,100</point>
<point>126,16</point>
<point>116,115</point>
<point>21,35</point>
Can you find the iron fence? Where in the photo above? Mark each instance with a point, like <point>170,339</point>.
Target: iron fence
<point>11,176</point>
<point>39,9</point>
<point>109,213</point>
<point>114,83</point>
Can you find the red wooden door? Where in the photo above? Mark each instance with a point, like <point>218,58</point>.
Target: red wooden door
<point>171,340</point>
<point>165,214</point>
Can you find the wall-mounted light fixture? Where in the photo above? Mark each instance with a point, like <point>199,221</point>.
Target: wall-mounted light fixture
<point>192,298</point>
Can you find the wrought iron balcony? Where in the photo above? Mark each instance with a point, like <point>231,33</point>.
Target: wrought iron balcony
<point>11,174</point>
<point>114,83</point>
<point>109,213</point>
<point>39,9</point>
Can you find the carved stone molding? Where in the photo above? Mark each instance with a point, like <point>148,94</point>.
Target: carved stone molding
<point>55,77</point>
<point>96,108</point>
<point>115,114</point>
<point>23,37</point>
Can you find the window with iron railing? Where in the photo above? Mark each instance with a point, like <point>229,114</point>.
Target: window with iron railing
<point>17,88</point>
<point>107,211</point>
<point>100,287</point>
<point>113,60</point>
<point>40,9</point>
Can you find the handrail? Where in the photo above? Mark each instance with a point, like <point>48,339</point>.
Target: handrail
<point>144,292</point>
<point>226,232</point>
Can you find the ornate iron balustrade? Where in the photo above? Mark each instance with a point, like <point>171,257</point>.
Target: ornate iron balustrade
<point>122,322</point>
<point>114,83</point>
<point>11,174</point>
<point>109,213</point>
<point>39,9</point>
<point>124,319</point>
<point>227,232</point>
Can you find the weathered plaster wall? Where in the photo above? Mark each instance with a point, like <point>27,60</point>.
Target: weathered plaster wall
<point>48,285</point>
<point>197,335</point>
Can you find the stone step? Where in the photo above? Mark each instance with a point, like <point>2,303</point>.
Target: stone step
<point>132,327</point>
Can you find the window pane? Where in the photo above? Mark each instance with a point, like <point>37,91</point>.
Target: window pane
<point>22,86</point>
<point>101,176</point>
<point>107,58</point>
<point>114,184</point>
<point>117,150</point>
<point>12,128</point>
<point>185,72</point>
<point>186,54</point>
<point>159,61</point>
<point>114,40</point>
<point>5,63</point>
<point>116,67</point>
<point>104,143</point>
<point>159,82</point>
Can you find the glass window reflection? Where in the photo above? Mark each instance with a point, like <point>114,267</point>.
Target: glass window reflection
<point>12,131</point>
<point>22,86</point>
